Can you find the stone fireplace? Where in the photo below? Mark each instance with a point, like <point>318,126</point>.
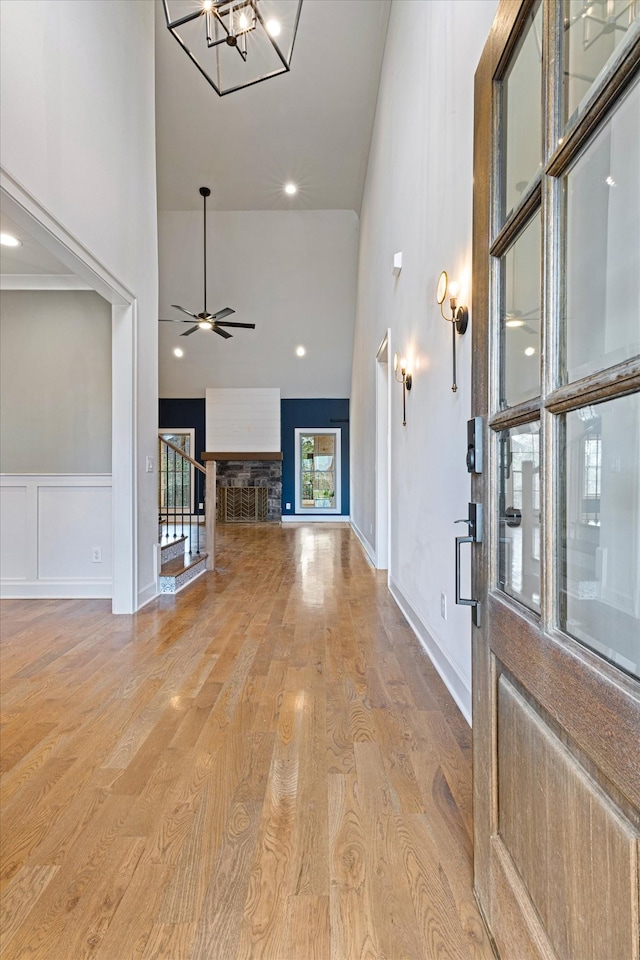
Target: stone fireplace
<point>239,474</point>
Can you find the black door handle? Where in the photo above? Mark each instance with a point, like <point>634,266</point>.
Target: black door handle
<point>474,522</point>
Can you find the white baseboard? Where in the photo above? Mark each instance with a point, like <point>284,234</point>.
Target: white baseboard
<point>368,549</point>
<point>56,589</point>
<point>452,679</point>
<point>147,594</point>
<point>309,518</point>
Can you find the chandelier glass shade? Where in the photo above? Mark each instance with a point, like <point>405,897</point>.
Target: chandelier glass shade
<point>235,43</point>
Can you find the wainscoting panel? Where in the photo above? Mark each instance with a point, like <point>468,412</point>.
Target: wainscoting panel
<point>51,527</point>
<point>13,530</point>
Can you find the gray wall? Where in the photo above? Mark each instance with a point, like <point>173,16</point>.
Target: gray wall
<point>55,382</point>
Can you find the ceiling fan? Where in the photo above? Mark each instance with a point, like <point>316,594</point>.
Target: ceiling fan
<point>204,319</point>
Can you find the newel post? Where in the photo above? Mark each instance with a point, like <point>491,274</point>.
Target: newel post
<point>210,513</point>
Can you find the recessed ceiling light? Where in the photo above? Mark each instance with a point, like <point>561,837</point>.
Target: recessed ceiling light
<point>290,188</point>
<point>300,351</point>
<point>178,352</point>
<point>529,352</point>
<point>8,241</point>
<point>273,27</point>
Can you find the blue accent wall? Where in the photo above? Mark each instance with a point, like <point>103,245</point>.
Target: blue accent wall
<point>174,413</point>
<point>318,414</point>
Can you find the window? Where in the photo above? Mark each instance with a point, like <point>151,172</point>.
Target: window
<point>318,471</point>
<point>175,474</point>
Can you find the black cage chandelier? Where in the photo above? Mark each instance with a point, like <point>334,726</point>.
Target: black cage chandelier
<point>235,43</point>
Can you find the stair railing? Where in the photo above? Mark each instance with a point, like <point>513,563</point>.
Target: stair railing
<point>180,493</point>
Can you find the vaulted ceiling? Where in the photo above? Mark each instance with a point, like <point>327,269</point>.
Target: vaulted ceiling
<point>312,125</point>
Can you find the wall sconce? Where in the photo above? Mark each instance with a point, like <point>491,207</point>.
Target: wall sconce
<point>405,379</point>
<point>459,318</point>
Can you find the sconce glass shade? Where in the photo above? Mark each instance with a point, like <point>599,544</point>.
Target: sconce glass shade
<point>235,43</point>
<point>443,282</point>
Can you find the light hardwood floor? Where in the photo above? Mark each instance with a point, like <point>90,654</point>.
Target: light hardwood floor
<point>265,765</point>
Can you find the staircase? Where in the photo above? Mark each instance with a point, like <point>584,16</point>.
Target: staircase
<point>178,567</point>
<point>179,515</point>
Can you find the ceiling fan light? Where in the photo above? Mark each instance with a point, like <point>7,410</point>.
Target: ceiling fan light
<point>205,324</point>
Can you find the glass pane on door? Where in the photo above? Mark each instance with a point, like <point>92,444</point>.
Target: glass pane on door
<point>519,514</point>
<point>522,116</point>
<point>593,30</point>
<point>520,318</point>
<point>600,534</point>
<point>602,211</point>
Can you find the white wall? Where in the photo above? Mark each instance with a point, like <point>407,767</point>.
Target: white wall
<point>78,134</point>
<point>418,200</point>
<point>292,273</point>
<point>55,382</point>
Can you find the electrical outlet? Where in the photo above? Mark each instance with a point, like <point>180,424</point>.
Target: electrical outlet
<point>443,606</point>
<point>287,506</point>
<point>201,506</point>
<point>96,554</point>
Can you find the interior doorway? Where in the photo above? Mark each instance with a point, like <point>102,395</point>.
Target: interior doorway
<point>25,211</point>
<point>382,454</point>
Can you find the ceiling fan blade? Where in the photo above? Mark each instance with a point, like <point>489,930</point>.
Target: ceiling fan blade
<point>230,323</point>
<point>172,320</point>
<point>191,330</point>
<point>225,312</point>
<point>221,333</point>
<point>177,306</point>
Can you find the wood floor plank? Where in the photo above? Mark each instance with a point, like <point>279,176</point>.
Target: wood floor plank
<point>137,912</point>
<point>218,929</point>
<point>19,900</point>
<point>395,919</point>
<point>352,910</point>
<point>263,925</point>
<point>265,765</point>
<point>308,928</point>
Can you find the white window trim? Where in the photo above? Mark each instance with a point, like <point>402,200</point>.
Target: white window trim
<point>336,432</point>
<point>191,433</point>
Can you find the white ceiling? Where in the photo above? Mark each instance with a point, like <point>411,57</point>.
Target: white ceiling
<point>29,259</point>
<point>312,125</point>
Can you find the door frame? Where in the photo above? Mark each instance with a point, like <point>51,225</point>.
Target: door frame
<point>383,401</point>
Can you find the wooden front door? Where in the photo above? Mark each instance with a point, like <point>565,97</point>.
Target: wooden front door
<point>556,379</point>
